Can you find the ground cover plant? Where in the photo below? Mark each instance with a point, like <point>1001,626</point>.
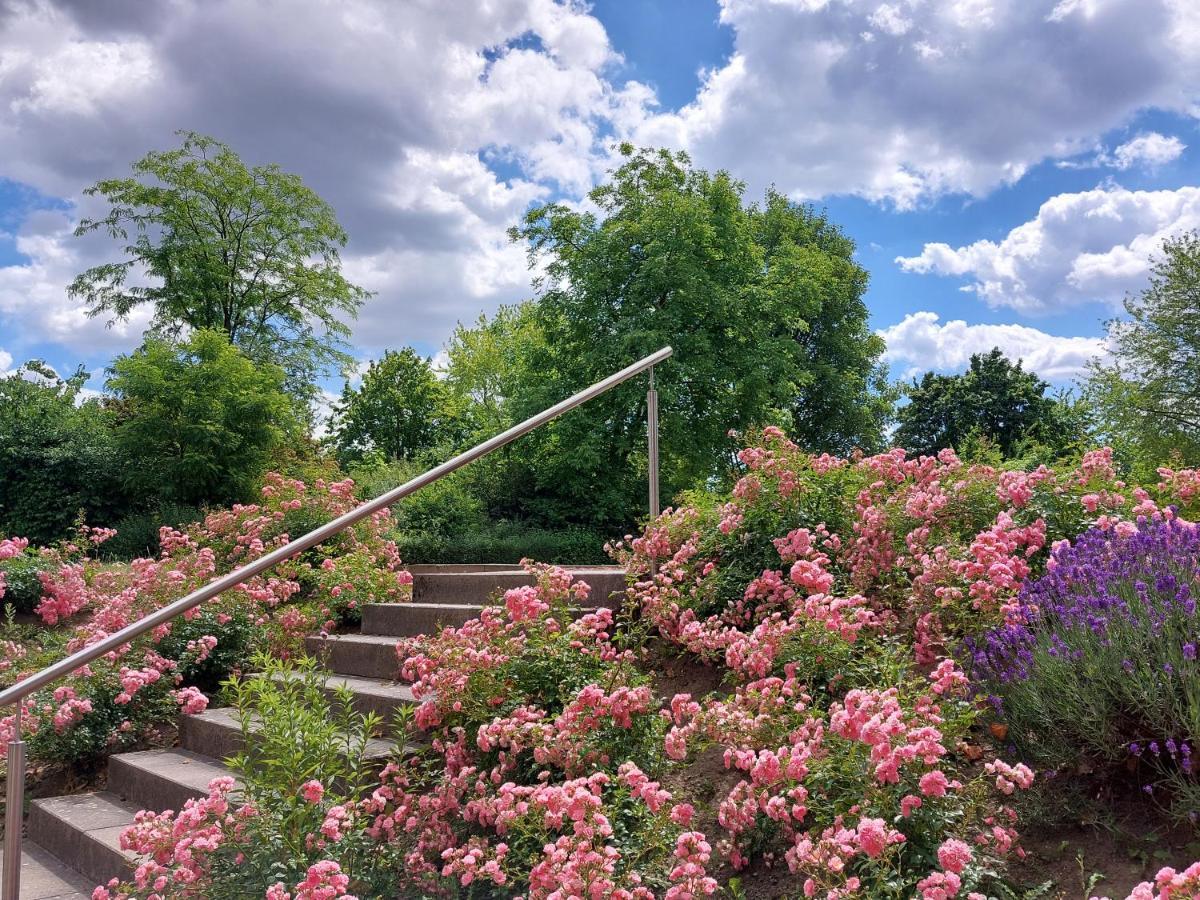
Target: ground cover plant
<point>84,599</point>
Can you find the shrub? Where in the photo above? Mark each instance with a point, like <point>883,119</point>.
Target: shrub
<point>865,796</point>
<point>1100,665</point>
<point>20,576</point>
<point>935,546</point>
<point>137,533</point>
<point>294,825</point>
<point>445,508</point>
<point>58,456</point>
<point>502,542</point>
<point>163,669</point>
<point>551,756</point>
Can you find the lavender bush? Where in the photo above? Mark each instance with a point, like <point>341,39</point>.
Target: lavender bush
<point>1101,666</point>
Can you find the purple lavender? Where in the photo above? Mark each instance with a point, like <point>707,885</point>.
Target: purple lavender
<point>1100,661</point>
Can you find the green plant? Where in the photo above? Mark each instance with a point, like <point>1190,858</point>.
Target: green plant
<point>22,582</point>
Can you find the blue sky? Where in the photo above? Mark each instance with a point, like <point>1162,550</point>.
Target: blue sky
<point>1006,167</point>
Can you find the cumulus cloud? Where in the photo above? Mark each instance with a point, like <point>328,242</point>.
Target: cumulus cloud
<point>1149,150</point>
<point>921,342</point>
<point>386,110</point>
<point>906,100</point>
<point>1091,246</point>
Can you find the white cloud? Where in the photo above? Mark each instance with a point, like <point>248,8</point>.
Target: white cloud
<point>1092,246</point>
<point>1150,150</point>
<point>385,109</point>
<point>920,342</point>
<point>906,100</point>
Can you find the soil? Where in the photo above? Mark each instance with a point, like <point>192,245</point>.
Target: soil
<point>1108,846</point>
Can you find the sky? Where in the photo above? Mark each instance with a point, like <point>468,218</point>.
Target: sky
<point>1007,168</point>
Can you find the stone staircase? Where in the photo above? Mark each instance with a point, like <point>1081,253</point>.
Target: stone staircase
<point>72,842</point>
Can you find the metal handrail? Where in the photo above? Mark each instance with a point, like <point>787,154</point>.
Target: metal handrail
<point>12,696</point>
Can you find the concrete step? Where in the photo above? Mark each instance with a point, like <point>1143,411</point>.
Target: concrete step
<point>217,733</point>
<point>45,877</point>
<point>371,695</point>
<point>396,620</point>
<point>365,655</point>
<point>162,779</point>
<point>466,585</point>
<point>85,829</point>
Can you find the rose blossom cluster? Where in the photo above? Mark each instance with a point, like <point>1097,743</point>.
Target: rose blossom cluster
<point>94,600</point>
<point>938,547</point>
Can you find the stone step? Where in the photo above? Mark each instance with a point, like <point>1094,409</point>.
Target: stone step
<point>85,830</point>
<point>370,694</point>
<point>456,586</point>
<point>398,620</point>
<point>217,733</point>
<point>45,877</point>
<point>365,655</point>
<point>162,779</point>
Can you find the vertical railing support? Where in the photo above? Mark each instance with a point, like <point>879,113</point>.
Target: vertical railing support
<point>14,809</point>
<point>652,440</point>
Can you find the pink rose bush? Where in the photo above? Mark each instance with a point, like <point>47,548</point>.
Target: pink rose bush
<point>930,545</point>
<point>549,741</point>
<point>151,679</point>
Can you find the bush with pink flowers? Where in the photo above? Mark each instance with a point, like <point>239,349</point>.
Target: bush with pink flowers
<point>83,600</point>
<point>931,546</point>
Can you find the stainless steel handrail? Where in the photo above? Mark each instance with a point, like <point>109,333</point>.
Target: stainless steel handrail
<point>12,696</point>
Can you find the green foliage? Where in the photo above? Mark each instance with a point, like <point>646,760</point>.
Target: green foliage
<point>137,532</point>
<point>444,509</point>
<point>399,410</point>
<point>506,542</point>
<point>294,733</point>
<point>57,456</point>
<point>250,252</point>
<point>763,305</point>
<point>22,586</point>
<point>198,421</point>
<point>995,401</point>
<point>1148,395</point>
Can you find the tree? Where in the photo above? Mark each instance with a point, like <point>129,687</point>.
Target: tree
<point>995,400</point>
<point>488,364</point>
<point>58,457</point>
<point>490,368</point>
<point>252,253</point>
<point>1147,394</point>
<point>400,409</point>
<point>762,304</point>
<point>198,420</point>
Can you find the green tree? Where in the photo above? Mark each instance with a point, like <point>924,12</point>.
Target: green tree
<point>489,364</point>
<point>399,410</point>
<point>763,305</point>
<point>489,370</point>
<point>995,401</point>
<point>250,252</point>
<point>198,420</point>
<point>1147,394</point>
<point>58,456</point>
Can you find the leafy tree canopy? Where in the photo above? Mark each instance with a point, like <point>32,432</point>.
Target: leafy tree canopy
<point>995,401</point>
<point>1147,394</point>
<point>58,458</point>
<point>400,409</point>
<point>250,252</point>
<point>763,305</point>
<point>198,420</point>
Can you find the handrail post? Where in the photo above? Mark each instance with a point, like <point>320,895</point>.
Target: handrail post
<point>652,441</point>
<point>13,813</point>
